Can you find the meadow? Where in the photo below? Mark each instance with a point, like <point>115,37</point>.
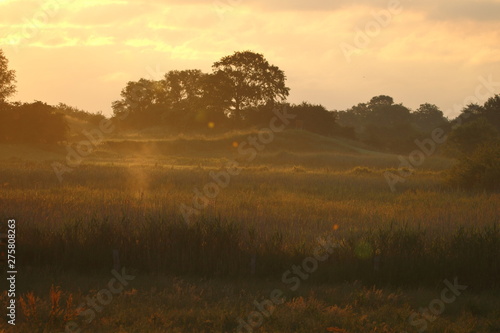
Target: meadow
<point>392,252</point>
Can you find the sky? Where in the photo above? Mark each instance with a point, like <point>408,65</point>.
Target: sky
<point>335,53</point>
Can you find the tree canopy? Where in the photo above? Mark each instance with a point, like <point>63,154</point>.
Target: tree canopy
<point>250,81</point>
<point>35,122</point>
<point>239,84</point>
<point>7,79</point>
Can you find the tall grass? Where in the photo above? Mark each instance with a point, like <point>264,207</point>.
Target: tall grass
<point>273,214</point>
<point>126,197</point>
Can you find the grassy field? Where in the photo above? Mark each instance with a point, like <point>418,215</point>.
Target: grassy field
<point>390,251</point>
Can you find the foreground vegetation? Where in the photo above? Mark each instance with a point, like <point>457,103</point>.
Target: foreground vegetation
<point>393,250</point>
<point>172,304</point>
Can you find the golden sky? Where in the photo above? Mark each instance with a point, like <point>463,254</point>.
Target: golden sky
<point>337,53</point>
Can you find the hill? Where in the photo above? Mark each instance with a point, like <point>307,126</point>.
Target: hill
<point>289,148</point>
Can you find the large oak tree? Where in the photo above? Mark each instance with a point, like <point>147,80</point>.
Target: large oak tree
<point>250,81</point>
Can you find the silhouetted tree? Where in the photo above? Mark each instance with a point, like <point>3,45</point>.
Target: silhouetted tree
<point>465,139</point>
<point>475,142</point>
<point>137,97</point>
<point>31,123</point>
<point>218,95</point>
<point>315,118</point>
<point>196,103</point>
<point>379,111</point>
<point>381,100</point>
<point>7,79</point>
<point>183,100</point>
<point>191,99</point>
<point>355,117</point>
<point>40,123</point>
<point>381,123</point>
<point>429,117</point>
<point>182,89</point>
<point>491,111</point>
<point>7,128</point>
<point>251,81</point>
<point>472,111</point>
<point>383,112</point>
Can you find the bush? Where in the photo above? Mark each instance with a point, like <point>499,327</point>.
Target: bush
<point>466,138</point>
<point>31,123</point>
<point>481,170</point>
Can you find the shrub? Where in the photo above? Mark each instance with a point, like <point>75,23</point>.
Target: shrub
<point>465,139</point>
<point>31,123</point>
<point>481,170</point>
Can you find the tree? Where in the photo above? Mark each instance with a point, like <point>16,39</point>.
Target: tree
<point>182,89</point>
<point>7,128</point>
<point>475,140</point>
<point>471,112</point>
<point>379,111</point>
<point>491,110</point>
<point>251,82</point>
<point>315,118</point>
<point>381,123</point>
<point>137,96</point>
<point>356,116</point>
<point>190,99</point>
<point>383,112</point>
<point>381,100</point>
<point>181,98</point>
<point>182,101</point>
<point>429,117</point>
<point>31,123</point>
<point>7,79</point>
<point>465,139</point>
<point>217,88</point>
<point>479,170</point>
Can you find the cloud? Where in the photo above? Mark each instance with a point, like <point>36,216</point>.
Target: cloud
<point>466,10</point>
<point>99,41</point>
<point>58,42</point>
<point>311,5</point>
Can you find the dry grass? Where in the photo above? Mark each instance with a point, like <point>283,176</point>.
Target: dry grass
<point>276,209</point>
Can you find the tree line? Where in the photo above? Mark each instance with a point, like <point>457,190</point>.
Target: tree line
<point>240,92</point>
